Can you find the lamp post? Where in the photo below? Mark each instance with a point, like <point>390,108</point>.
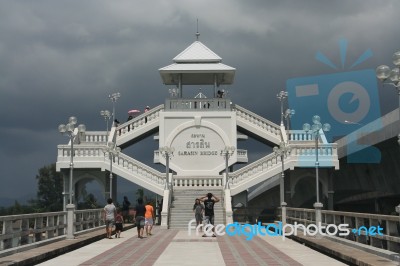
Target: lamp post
<point>282,95</point>
<point>282,151</point>
<point>167,152</point>
<point>112,151</point>
<point>107,115</point>
<point>227,152</point>
<point>70,129</point>
<point>288,115</point>
<point>315,130</point>
<point>391,77</point>
<point>114,97</point>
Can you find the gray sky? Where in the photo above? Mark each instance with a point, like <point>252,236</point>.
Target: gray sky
<point>63,58</point>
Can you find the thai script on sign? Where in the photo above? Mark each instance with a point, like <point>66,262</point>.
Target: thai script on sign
<point>198,144</point>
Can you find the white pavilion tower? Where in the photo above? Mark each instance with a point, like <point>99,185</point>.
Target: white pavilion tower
<point>197,128</point>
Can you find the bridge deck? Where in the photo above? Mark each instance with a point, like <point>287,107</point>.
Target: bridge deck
<point>174,247</point>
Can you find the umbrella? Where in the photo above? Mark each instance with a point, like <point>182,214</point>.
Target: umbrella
<point>133,112</point>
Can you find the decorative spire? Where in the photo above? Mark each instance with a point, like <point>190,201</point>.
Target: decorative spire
<point>197,33</point>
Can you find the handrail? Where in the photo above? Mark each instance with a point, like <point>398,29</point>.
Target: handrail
<point>258,121</point>
<point>198,181</point>
<point>85,152</point>
<point>139,121</point>
<point>198,104</point>
<point>123,160</point>
<point>389,239</point>
<point>24,230</point>
<point>269,161</point>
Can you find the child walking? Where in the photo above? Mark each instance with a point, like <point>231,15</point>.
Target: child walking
<point>118,224</point>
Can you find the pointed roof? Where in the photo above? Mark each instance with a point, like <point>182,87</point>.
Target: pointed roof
<point>197,52</point>
<point>197,65</point>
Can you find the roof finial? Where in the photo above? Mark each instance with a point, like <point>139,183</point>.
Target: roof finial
<point>197,33</point>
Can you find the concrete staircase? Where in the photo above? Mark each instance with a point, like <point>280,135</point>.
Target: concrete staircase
<point>183,201</point>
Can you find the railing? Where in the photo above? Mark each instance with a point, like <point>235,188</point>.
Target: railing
<point>308,149</point>
<point>303,153</point>
<point>390,224</point>
<point>198,104</point>
<point>22,230</point>
<point>140,169</point>
<point>301,135</point>
<point>241,156</point>
<point>139,122</point>
<point>96,154</point>
<point>258,121</point>
<point>257,167</point>
<point>196,181</point>
<point>94,137</point>
<point>64,151</point>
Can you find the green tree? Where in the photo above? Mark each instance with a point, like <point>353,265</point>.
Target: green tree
<point>140,193</point>
<point>50,188</point>
<point>89,202</point>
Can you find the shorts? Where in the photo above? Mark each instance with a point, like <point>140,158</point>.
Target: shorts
<point>199,217</point>
<point>118,226</point>
<point>109,223</point>
<point>139,221</point>
<point>148,221</point>
<point>209,219</point>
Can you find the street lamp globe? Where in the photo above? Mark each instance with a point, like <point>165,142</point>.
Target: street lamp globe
<point>316,119</point>
<point>394,75</point>
<point>62,128</point>
<point>82,128</point>
<point>326,127</point>
<point>396,58</point>
<point>306,127</point>
<point>72,120</point>
<point>382,72</point>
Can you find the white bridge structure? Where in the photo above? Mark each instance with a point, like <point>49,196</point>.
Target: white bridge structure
<point>197,130</point>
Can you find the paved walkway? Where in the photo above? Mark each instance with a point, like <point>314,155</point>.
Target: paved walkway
<point>174,247</point>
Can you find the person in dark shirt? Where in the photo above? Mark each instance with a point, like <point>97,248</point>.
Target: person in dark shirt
<point>125,209</point>
<point>209,202</point>
<point>139,217</point>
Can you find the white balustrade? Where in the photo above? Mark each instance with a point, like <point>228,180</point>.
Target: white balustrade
<point>389,239</point>
<point>123,161</point>
<point>95,137</point>
<point>257,121</point>
<point>196,181</point>
<point>139,121</point>
<point>21,230</point>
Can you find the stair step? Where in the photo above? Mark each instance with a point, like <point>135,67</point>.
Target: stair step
<point>183,201</point>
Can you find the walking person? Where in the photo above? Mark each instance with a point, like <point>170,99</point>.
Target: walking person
<point>119,221</point>
<point>146,110</point>
<point>159,211</point>
<point>198,210</point>
<point>140,210</point>
<point>149,218</point>
<point>209,202</point>
<point>125,209</point>
<point>109,213</point>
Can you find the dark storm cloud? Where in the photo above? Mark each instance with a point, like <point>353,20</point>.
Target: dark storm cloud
<point>63,58</point>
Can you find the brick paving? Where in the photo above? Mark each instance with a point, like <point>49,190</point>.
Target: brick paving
<point>135,251</point>
<point>236,250</point>
<point>177,247</point>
